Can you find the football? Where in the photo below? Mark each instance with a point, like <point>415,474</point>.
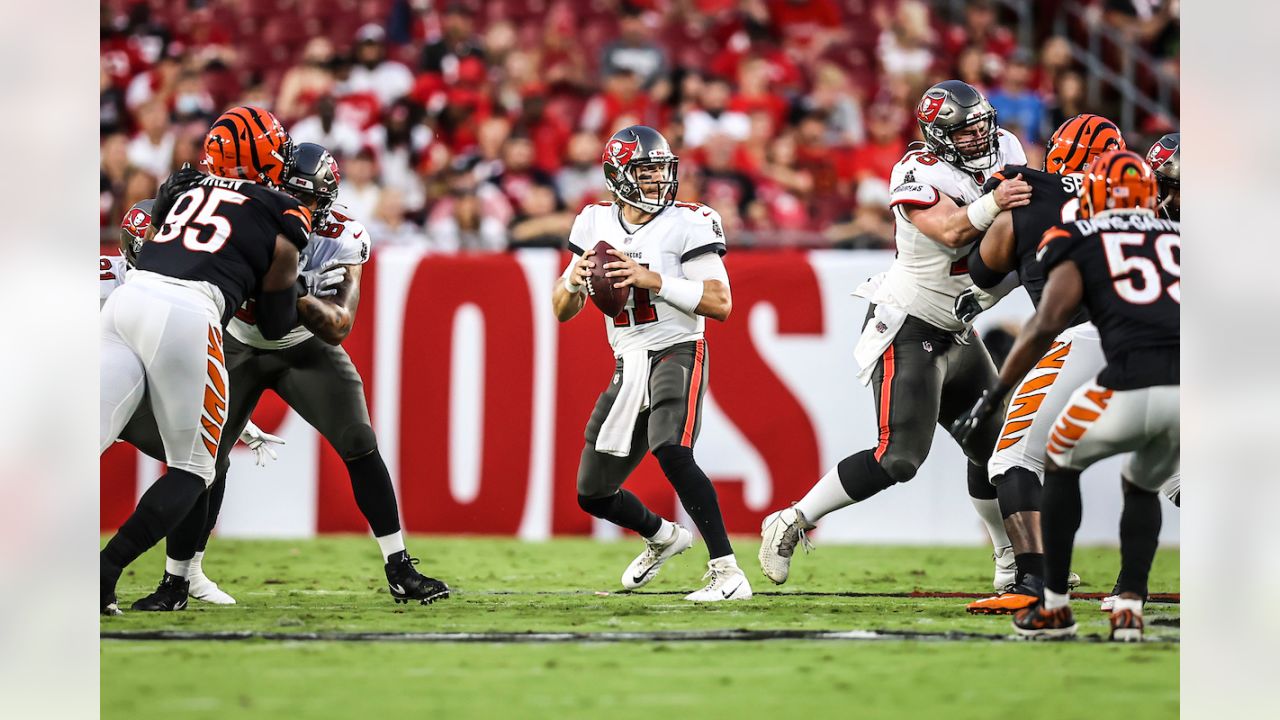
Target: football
<point>609,299</point>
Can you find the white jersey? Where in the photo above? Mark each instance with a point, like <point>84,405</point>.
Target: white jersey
<point>111,276</point>
<point>675,236</point>
<point>342,241</point>
<point>926,275</point>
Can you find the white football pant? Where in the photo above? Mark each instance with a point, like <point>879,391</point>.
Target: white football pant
<point>164,335</point>
<point>1099,423</point>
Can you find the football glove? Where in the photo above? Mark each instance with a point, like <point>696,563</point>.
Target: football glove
<point>167,194</point>
<point>260,443</point>
<point>972,302</point>
<point>966,425</point>
<point>323,282</point>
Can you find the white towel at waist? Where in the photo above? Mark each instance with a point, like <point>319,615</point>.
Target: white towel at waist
<point>633,397</point>
<point>880,330</point>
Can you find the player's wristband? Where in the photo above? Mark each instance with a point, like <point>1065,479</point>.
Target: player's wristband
<point>983,211</point>
<point>681,292</point>
<point>572,288</point>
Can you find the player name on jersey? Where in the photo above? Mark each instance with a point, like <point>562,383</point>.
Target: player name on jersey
<point>674,236</point>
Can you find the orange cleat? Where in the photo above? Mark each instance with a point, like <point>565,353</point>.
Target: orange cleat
<point>1006,603</point>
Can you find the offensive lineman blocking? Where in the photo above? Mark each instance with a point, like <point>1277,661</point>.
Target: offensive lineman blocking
<point>669,254</point>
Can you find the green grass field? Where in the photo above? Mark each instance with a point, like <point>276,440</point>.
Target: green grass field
<point>335,585</point>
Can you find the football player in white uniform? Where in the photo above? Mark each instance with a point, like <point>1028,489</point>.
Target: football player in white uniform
<point>668,253</point>
<point>926,367</point>
<point>141,431</point>
<point>311,372</point>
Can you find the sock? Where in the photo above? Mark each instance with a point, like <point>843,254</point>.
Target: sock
<point>727,561</point>
<point>989,511</point>
<point>216,492</point>
<point>1139,536</point>
<point>184,540</point>
<point>663,533</point>
<point>181,568</point>
<point>1019,491</point>
<point>1059,521</point>
<point>391,544</point>
<point>159,510</point>
<point>375,496</point>
<point>826,496</point>
<point>196,567</point>
<point>697,495</point>
<point>862,476</point>
<point>624,510</point>
<point>1053,600</point>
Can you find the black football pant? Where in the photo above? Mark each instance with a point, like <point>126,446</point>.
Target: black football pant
<point>926,378</point>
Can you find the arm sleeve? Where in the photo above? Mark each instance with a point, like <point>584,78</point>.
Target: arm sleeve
<point>982,276</point>
<point>708,266</point>
<point>277,312</point>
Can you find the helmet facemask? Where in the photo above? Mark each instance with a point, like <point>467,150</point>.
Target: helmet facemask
<point>648,185</point>
<point>976,150</point>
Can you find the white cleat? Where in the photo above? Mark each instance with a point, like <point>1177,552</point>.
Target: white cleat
<point>1073,581</point>
<point>645,567</point>
<point>1109,603</point>
<point>727,582</point>
<point>206,590</point>
<point>780,533</point>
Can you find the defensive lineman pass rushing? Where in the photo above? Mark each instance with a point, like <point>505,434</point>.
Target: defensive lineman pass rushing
<point>926,366</point>
<point>313,374</point>
<point>669,254</point>
<point>1017,463</point>
<point>1124,264</point>
<point>229,238</point>
<point>141,430</point>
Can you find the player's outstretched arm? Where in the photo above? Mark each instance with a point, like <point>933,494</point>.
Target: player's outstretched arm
<point>570,292</point>
<point>332,317</point>
<point>949,224</point>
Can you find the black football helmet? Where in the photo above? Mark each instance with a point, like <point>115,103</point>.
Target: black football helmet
<point>313,176</point>
<point>954,105</point>
<point>133,230</point>
<point>631,149</point>
<point>1163,158</point>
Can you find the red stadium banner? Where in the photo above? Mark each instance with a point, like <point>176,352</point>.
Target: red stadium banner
<point>480,398</point>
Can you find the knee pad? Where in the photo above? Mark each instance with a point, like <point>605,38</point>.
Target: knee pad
<point>1019,491</point>
<point>899,469</point>
<point>980,486</point>
<point>862,476</point>
<point>597,506</point>
<point>356,441</point>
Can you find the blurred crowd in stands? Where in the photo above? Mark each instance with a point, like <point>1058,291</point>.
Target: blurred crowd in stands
<point>478,126</point>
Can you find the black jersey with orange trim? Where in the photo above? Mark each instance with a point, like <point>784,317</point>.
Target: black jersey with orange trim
<point>1131,267</point>
<point>1054,200</point>
<point>223,231</point>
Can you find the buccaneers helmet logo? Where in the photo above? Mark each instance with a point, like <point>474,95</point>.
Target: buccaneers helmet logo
<point>929,107</point>
<point>136,222</point>
<point>619,152</point>
<point>1159,155</point>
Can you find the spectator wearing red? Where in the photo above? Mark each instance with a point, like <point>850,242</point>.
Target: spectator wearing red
<point>755,94</point>
<point>306,82</point>
<point>549,133</point>
<point>981,29</point>
<point>885,145</point>
<point>622,98</point>
<point>721,181</point>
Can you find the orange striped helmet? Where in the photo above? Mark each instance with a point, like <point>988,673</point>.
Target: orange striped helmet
<point>1118,180</point>
<point>248,143</point>
<point>1078,141</point>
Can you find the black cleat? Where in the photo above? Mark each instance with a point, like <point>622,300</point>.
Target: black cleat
<point>1038,623</point>
<point>406,583</point>
<point>171,595</point>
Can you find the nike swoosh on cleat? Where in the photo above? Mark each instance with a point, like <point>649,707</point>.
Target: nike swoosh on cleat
<point>643,575</point>
<point>396,588</point>
<point>730,592</point>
